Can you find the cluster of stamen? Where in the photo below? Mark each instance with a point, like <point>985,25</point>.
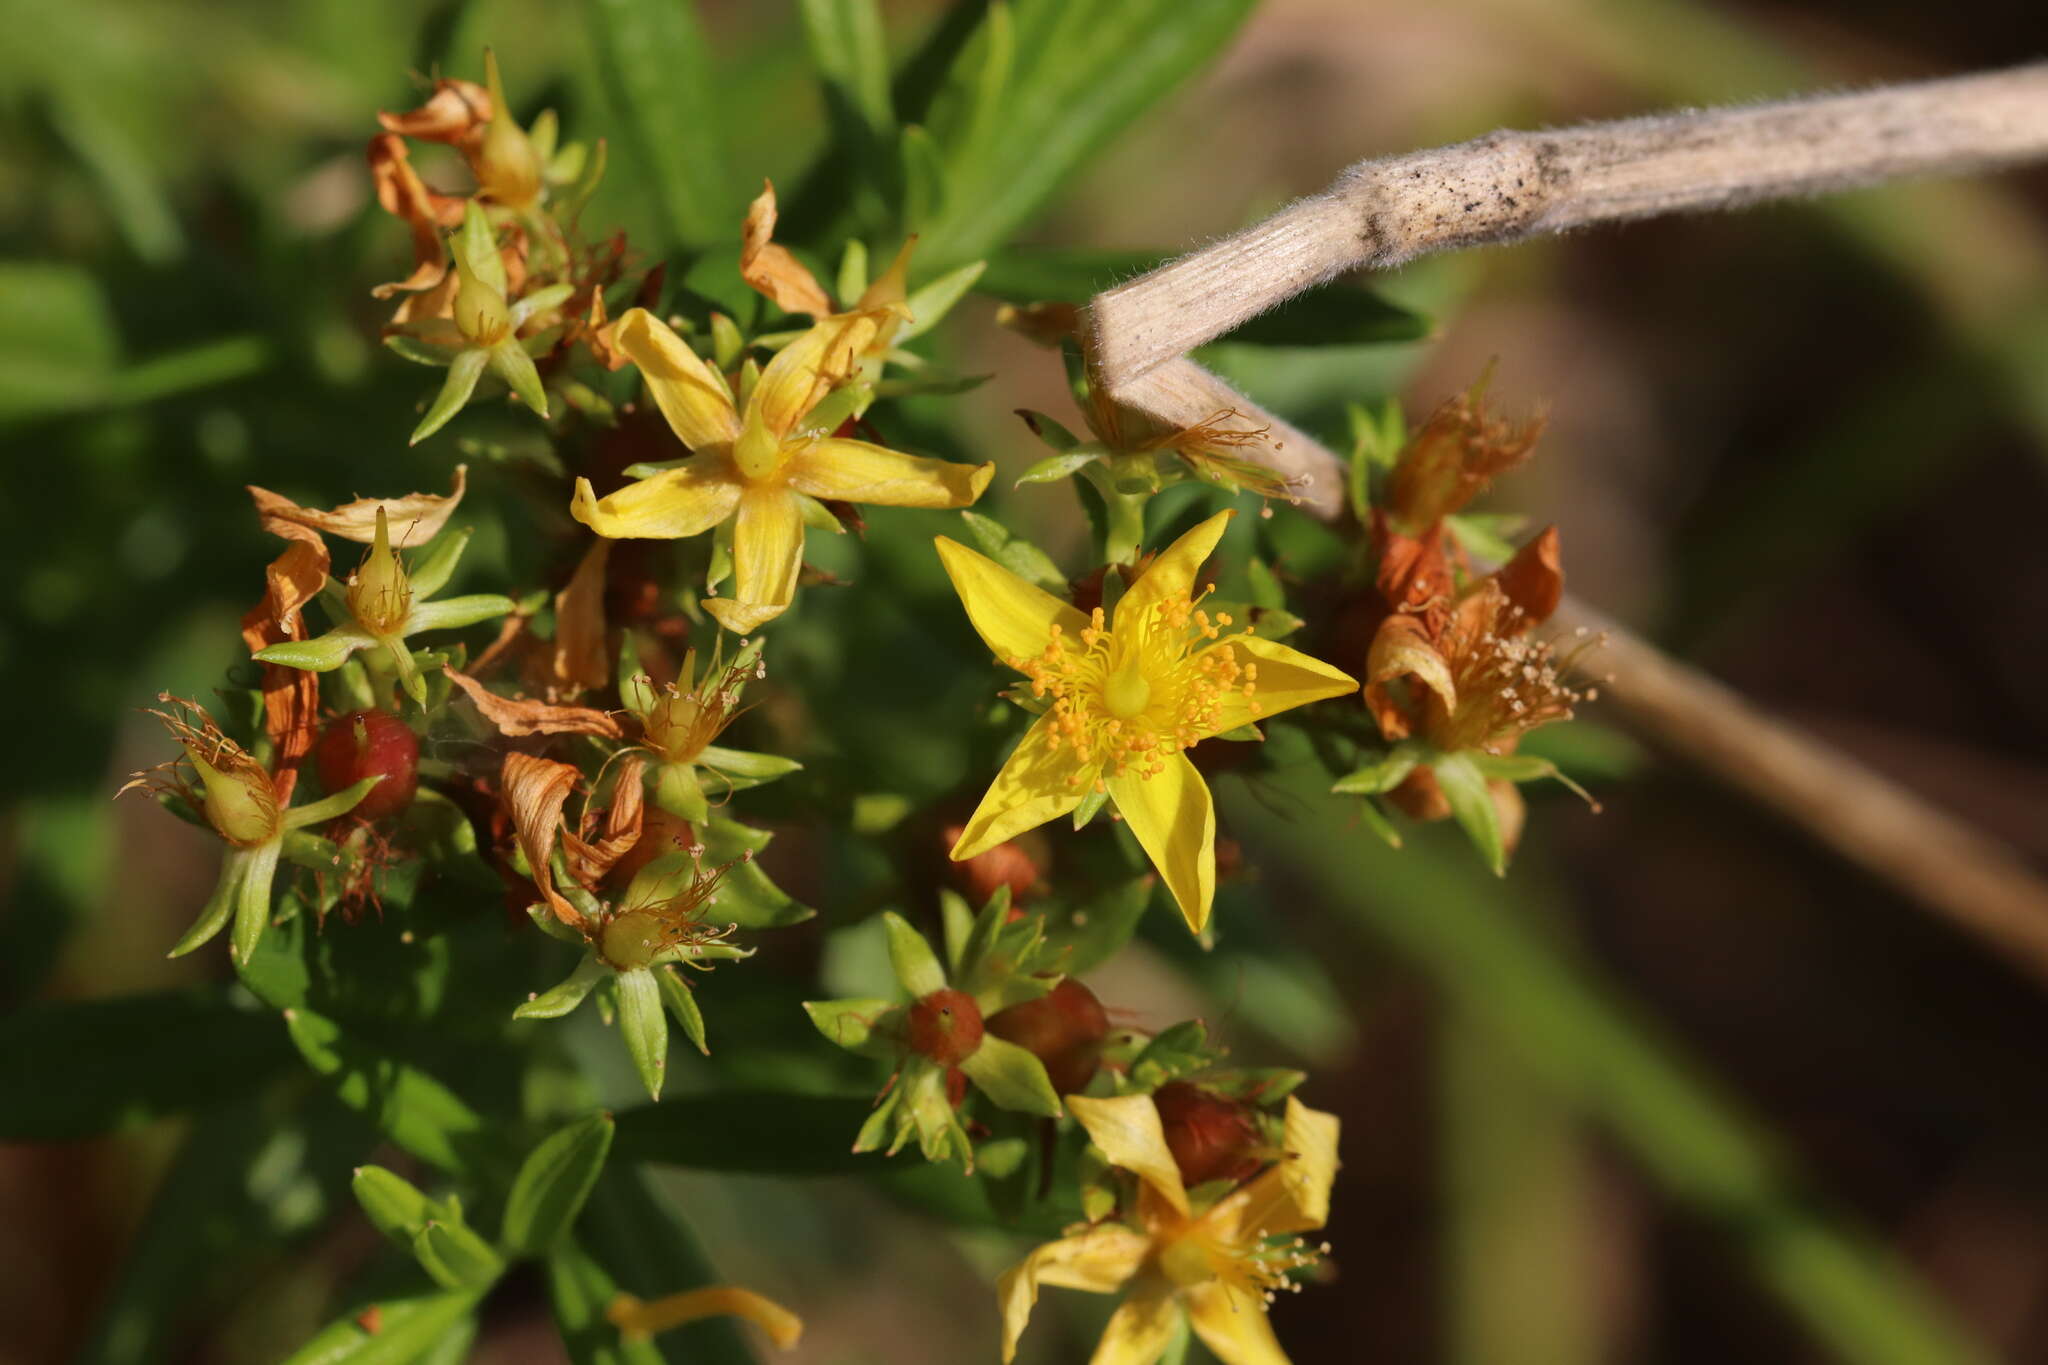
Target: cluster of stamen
<point>680,725</point>
<point>1508,684</point>
<point>1261,1268</point>
<point>1133,696</point>
<point>635,936</point>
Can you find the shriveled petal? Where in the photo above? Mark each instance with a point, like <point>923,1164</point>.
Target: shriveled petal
<point>685,501</point>
<point>579,655</point>
<point>414,519</point>
<point>770,269</point>
<point>1128,1131</point>
<point>1233,1324</point>
<point>860,471</point>
<point>1172,571</point>
<point>455,112</point>
<point>1098,1260</point>
<point>767,554</point>
<point>1014,618</point>
<point>534,791</point>
<point>402,194</point>
<point>1285,678</point>
<point>1032,788</point>
<point>1293,1195</point>
<point>807,369</point>
<point>1534,579</point>
<point>688,393</point>
<point>518,718</point>
<point>1175,821</point>
<point>591,853</point>
<point>1140,1330</point>
<point>1402,649</point>
<point>637,1320</point>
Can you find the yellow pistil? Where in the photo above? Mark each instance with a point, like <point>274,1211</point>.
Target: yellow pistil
<point>1133,696</point>
<point>638,1320</point>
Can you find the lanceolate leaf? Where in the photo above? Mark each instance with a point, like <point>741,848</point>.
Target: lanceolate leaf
<point>553,1182</point>
<point>655,65</point>
<point>406,1328</point>
<point>412,1108</point>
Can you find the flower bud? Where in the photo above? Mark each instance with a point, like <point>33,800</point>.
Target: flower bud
<point>480,311</point>
<point>379,594</point>
<point>1211,1138</point>
<point>507,165</point>
<point>371,744</point>
<point>1063,1029</point>
<point>945,1026</point>
<point>236,793</point>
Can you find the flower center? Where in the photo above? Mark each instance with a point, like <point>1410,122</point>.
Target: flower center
<point>1134,696</point>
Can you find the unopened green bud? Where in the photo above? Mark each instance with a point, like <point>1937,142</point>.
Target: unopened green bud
<point>508,166</point>
<point>480,310</point>
<point>378,592</point>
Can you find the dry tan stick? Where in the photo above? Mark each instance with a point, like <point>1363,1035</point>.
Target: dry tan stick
<point>1974,880</point>
<point>1511,185</point>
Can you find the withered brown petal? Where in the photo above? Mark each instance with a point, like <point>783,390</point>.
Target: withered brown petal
<point>414,519</point>
<point>534,791</point>
<point>590,860</point>
<point>520,718</point>
<point>403,195</point>
<point>1534,579</point>
<point>1402,648</point>
<point>770,269</point>
<point>454,113</point>
<point>580,659</point>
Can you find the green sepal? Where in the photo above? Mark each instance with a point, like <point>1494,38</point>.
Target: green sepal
<point>327,807</point>
<point>214,917</point>
<point>636,689</point>
<point>940,1135</point>
<point>455,612</point>
<point>644,1026</point>
<point>570,207</point>
<point>864,1026</point>
<point>321,654</point>
<point>957,922</point>
<point>1247,733</point>
<point>553,1183</point>
<point>1012,1077</point>
<point>477,243</point>
<point>727,345</point>
<point>463,373</point>
<point>407,667</point>
<point>1526,768</point>
<point>1464,786</point>
<point>981,939</point>
<point>544,919</point>
<point>1486,534</point>
<point>1179,1051</point>
<point>1373,818</point>
<point>742,769</point>
<point>437,564</point>
<point>418,351</point>
<point>852,280</point>
<point>1015,553</point>
<point>1053,468</point>
<point>455,1256</point>
<point>1090,806</point>
<point>252,898</point>
<point>682,1006</point>
<point>1055,434</point>
<point>917,966</point>
<point>747,896</point>
<point>930,302</point>
<point>510,362</point>
<point>570,992</point>
<point>539,301</point>
<point>1382,774</point>
<point>678,791</point>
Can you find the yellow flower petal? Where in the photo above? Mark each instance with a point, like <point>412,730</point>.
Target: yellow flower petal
<point>689,394</point>
<point>1293,1196</point>
<point>1171,573</point>
<point>1031,789</point>
<point>685,501</point>
<point>1286,678</point>
<point>1140,1330</point>
<point>636,1320</point>
<point>1014,618</point>
<point>807,369</point>
<point>1401,648</point>
<point>1175,821</point>
<point>1098,1260</point>
<point>767,553</point>
<point>859,471</point>
<point>1233,1324</point>
<point>1128,1131</point>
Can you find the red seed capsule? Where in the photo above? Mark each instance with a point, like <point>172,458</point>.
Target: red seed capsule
<point>366,744</point>
<point>945,1026</point>
<point>1211,1138</point>
<point>980,877</point>
<point>1063,1029</point>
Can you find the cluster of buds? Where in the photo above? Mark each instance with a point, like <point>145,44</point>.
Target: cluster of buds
<point>1455,674</point>
<point>502,278</point>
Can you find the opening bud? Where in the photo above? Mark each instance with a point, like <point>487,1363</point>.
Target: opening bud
<point>379,594</point>
<point>508,166</point>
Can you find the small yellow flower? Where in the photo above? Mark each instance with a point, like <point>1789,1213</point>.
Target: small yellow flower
<point>1221,1265</point>
<point>1130,690</point>
<point>758,467</point>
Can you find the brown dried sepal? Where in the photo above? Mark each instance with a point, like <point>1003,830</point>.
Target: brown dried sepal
<point>770,269</point>
<point>534,791</point>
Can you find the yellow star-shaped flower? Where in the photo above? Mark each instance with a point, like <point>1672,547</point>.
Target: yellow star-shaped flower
<point>1130,691</point>
<point>1220,1265</point>
<point>757,466</point>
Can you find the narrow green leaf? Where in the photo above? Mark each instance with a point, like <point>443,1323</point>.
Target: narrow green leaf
<point>1053,468</point>
<point>930,303</point>
<point>917,966</point>
<point>453,613</point>
<point>1015,553</point>
<point>742,769</point>
<point>846,42</point>
<point>252,897</point>
<point>923,169</point>
<point>553,1182</point>
<point>394,1205</point>
<point>321,654</point>
<point>1381,774</point>
<point>411,1108</point>
<point>214,917</point>
<point>654,63</point>
<point>644,1026</point>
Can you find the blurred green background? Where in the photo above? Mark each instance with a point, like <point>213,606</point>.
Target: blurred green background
<point>1684,1088</point>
